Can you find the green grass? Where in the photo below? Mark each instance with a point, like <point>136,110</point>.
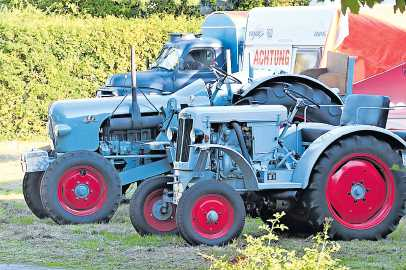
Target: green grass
<point>28,240</point>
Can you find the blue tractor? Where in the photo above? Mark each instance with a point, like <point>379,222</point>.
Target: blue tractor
<point>99,147</point>
<point>254,159</point>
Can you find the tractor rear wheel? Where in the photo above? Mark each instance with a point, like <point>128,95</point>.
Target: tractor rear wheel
<point>355,183</point>
<point>32,196</point>
<point>273,94</point>
<point>210,213</point>
<point>81,187</point>
<point>149,214</point>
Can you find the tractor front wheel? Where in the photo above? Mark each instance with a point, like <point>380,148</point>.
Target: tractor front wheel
<point>210,213</point>
<point>149,213</point>
<point>31,192</point>
<point>81,187</point>
<point>358,183</point>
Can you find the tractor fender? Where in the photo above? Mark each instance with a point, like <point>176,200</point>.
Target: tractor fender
<point>293,78</point>
<point>312,154</point>
<point>250,179</point>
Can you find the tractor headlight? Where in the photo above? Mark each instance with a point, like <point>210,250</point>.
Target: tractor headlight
<point>61,130</point>
<point>196,135</point>
<point>172,134</point>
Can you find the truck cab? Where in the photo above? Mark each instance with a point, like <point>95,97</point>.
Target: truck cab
<point>186,57</point>
<point>182,60</point>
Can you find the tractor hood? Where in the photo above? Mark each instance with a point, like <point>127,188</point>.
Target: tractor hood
<point>68,109</point>
<point>155,80</point>
<point>75,124</point>
<point>241,113</point>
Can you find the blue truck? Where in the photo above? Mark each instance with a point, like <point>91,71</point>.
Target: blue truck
<point>187,57</point>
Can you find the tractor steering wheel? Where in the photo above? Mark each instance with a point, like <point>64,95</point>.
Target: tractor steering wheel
<point>221,73</point>
<point>295,96</point>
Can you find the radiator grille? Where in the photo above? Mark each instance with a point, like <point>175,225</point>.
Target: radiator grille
<point>183,142</point>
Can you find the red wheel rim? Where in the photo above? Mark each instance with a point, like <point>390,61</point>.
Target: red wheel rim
<point>82,190</point>
<point>360,191</point>
<point>212,216</point>
<point>154,215</point>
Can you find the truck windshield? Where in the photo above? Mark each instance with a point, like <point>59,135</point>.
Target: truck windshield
<point>167,59</point>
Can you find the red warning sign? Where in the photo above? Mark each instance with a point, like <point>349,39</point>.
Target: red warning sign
<point>267,61</point>
<point>272,57</point>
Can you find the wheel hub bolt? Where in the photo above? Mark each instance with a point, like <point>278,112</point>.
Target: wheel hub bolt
<point>212,217</point>
<point>161,210</point>
<point>82,191</point>
<point>358,191</point>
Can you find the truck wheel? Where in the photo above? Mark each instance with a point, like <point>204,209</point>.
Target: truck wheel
<point>32,196</point>
<point>353,184</point>
<point>147,212</point>
<point>210,213</point>
<point>81,187</point>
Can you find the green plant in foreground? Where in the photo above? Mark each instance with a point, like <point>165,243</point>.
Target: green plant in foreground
<point>264,253</point>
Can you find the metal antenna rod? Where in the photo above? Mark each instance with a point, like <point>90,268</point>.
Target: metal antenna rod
<point>136,114</point>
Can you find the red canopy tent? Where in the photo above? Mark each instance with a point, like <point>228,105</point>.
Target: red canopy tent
<point>377,45</point>
<point>380,66</point>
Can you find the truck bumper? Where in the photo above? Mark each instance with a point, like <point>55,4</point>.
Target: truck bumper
<point>35,160</point>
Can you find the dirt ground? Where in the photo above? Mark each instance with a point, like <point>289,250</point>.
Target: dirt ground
<point>26,240</point>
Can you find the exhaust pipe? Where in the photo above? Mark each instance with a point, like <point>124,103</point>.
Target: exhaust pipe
<point>135,114</point>
<point>136,121</point>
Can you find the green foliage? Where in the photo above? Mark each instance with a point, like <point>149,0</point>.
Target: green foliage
<point>355,5</point>
<point>249,4</point>
<point>400,5</point>
<point>44,58</point>
<point>352,5</point>
<point>263,253</point>
<point>103,8</point>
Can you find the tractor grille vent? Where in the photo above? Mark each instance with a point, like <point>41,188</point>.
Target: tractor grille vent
<point>183,142</point>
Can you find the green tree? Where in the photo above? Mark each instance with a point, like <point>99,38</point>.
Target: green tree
<point>353,5</point>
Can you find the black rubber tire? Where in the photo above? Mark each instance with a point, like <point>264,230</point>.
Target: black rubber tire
<point>52,176</point>
<point>186,203</point>
<point>314,197</point>
<point>273,94</point>
<point>31,192</point>
<point>137,204</point>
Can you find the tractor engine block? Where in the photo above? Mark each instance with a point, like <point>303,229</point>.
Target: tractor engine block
<point>126,142</point>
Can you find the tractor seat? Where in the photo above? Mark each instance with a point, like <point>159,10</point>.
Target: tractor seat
<point>365,110</point>
<point>371,115</point>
